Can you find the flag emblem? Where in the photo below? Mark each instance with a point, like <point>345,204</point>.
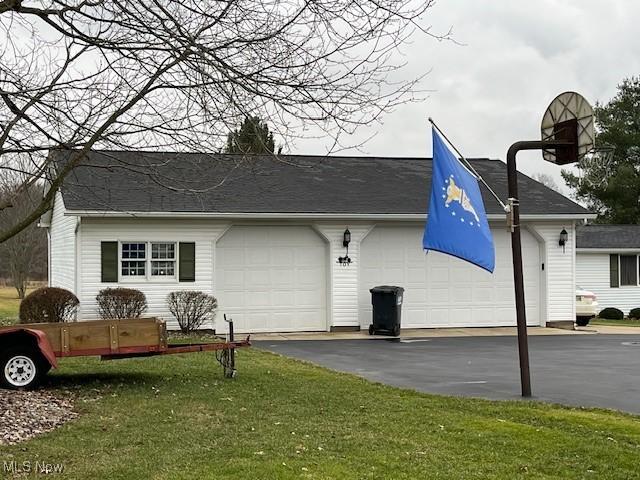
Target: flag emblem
<point>456,222</point>
<point>457,194</point>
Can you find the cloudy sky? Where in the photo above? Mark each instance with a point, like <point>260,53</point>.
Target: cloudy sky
<point>515,58</point>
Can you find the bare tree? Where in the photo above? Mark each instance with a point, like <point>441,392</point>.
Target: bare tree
<point>179,74</point>
<point>547,180</point>
<point>22,254</point>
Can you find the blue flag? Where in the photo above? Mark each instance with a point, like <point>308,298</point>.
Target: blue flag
<point>457,223</point>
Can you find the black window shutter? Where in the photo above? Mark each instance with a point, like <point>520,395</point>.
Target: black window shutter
<point>614,276</point>
<point>187,260</point>
<point>109,261</point>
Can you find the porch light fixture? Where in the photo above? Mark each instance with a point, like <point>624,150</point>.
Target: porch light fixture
<point>564,236</point>
<point>346,239</point>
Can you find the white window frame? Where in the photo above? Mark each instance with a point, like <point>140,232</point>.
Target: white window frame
<point>132,278</point>
<point>148,277</point>
<point>174,260</point>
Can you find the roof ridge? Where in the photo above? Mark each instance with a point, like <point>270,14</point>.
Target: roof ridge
<point>306,155</point>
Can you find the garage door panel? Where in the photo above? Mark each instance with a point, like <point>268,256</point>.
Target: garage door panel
<point>482,294</point>
<point>257,278</point>
<point>257,256</point>
<point>272,278</point>
<point>441,290</point>
<point>438,296</point>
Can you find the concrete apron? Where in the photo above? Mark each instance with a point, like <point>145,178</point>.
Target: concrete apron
<point>443,332</point>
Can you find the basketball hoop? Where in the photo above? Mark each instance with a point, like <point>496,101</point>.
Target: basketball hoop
<point>568,135</point>
<point>568,117</point>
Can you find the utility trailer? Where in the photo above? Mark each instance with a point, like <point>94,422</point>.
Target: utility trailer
<point>29,351</point>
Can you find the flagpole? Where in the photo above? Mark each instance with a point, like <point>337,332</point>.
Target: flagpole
<point>468,165</point>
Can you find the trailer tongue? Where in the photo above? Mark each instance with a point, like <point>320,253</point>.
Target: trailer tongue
<point>225,353</point>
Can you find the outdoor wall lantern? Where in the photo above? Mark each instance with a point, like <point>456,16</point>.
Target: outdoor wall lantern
<point>346,239</point>
<point>564,236</point>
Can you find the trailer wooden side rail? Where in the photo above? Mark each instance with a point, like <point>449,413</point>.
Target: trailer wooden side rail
<point>29,351</point>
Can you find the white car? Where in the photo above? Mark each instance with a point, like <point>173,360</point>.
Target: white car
<point>586,306</point>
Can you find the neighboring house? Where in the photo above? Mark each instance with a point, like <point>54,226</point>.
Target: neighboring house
<point>607,264</point>
<point>264,236</point>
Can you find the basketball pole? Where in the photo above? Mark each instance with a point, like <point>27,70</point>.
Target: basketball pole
<point>516,248</point>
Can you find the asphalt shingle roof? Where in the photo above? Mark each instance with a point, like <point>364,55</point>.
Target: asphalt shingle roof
<point>177,182</point>
<point>608,236</point>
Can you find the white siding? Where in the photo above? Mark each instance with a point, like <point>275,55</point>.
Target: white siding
<point>559,285</point>
<point>93,231</point>
<point>344,279</point>
<point>62,237</point>
<point>557,281</point>
<point>592,273</point>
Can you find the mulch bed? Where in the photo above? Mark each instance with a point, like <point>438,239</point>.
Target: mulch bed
<point>26,414</point>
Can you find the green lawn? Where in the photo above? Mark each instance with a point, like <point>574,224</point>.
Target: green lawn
<point>9,304</point>
<point>176,417</point>
<point>615,323</point>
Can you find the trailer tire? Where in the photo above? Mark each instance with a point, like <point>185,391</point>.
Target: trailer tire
<point>22,368</point>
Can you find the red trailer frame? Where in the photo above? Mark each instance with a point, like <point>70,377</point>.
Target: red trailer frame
<point>36,353</point>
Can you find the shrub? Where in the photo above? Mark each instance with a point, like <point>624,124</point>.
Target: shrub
<point>611,313</point>
<point>191,308</point>
<point>635,313</point>
<point>116,303</point>
<point>49,304</point>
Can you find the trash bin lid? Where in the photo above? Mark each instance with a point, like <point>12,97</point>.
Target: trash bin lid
<point>387,289</point>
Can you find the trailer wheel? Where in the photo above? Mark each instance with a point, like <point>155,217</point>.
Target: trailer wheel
<point>21,368</point>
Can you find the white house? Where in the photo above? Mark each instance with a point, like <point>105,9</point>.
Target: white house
<point>607,264</point>
<point>264,236</point>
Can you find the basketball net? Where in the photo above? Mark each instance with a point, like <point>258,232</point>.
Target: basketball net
<point>594,168</point>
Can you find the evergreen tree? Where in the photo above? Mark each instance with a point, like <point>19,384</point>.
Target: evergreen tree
<point>611,187</point>
<point>253,136</point>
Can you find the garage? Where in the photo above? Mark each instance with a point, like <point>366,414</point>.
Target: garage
<point>443,291</point>
<point>272,278</point>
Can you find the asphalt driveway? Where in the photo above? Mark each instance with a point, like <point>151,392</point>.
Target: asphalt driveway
<point>584,370</point>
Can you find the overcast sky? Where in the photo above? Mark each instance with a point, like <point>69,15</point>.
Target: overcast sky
<point>517,56</point>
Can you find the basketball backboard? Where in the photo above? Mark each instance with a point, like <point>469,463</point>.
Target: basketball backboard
<point>569,117</point>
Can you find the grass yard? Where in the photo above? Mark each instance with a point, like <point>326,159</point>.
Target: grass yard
<point>615,323</point>
<point>176,417</point>
<point>9,304</point>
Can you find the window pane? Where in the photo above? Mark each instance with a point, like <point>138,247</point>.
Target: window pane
<point>162,269</point>
<point>133,268</point>
<point>628,270</point>
<point>133,250</point>
<point>163,251</point>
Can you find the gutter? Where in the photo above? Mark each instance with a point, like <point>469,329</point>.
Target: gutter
<point>307,216</point>
<point>608,250</point>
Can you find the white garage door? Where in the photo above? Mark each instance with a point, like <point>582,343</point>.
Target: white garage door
<point>443,291</point>
<point>272,279</point>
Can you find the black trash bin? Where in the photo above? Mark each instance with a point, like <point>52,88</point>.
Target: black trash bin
<point>387,307</point>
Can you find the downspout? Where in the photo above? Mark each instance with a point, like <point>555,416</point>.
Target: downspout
<point>76,279</point>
